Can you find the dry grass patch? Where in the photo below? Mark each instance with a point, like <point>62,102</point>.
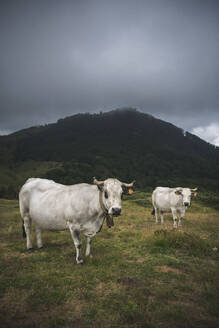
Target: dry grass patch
<point>105,289</point>
<point>166,269</point>
<point>130,282</point>
<point>74,307</point>
<point>14,302</point>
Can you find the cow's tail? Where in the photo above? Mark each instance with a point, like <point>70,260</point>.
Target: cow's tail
<point>153,203</point>
<point>22,214</point>
<point>23,230</point>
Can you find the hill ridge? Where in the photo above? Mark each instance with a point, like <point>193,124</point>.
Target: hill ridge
<point>124,142</point>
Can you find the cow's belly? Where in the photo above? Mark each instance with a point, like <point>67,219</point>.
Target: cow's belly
<point>91,227</point>
<point>47,217</point>
<point>47,221</point>
<point>163,206</point>
<point>165,209</point>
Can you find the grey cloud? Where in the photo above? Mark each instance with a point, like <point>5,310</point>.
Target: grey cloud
<point>63,57</point>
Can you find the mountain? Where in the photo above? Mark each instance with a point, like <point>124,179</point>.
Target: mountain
<point>123,143</point>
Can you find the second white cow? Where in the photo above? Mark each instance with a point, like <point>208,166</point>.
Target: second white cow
<point>175,200</point>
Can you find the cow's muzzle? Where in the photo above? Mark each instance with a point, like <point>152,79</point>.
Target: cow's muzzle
<point>186,204</point>
<point>116,211</point>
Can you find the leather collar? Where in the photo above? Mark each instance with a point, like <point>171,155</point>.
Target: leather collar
<point>108,217</point>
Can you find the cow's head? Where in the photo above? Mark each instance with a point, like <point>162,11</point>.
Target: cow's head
<point>112,191</point>
<point>186,194</point>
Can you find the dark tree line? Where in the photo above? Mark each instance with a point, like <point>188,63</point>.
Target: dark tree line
<point>124,143</point>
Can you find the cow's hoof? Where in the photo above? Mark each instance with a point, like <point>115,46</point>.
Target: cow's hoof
<point>80,261</point>
<point>89,255</point>
<point>41,248</point>
<point>30,250</point>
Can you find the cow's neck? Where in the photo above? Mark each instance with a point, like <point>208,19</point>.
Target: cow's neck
<point>109,218</point>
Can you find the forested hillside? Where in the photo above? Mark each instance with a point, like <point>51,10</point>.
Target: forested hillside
<point>122,143</point>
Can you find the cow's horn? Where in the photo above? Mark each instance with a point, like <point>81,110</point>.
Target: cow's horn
<point>128,184</point>
<point>195,189</point>
<point>96,182</point>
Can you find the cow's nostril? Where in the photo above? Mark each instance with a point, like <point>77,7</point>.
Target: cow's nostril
<point>186,204</point>
<point>116,210</point>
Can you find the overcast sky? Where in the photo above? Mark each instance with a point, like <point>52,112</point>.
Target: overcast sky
<point>63,57</point>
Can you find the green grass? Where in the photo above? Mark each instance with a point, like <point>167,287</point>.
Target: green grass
<point>140,275</point>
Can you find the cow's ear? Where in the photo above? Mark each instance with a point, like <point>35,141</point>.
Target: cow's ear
<point>194,192</point>
<point>100,186</point>
<point>127,190</point>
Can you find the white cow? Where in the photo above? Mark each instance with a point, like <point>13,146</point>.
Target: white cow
<point>81,207</point>
<point>176,200</point>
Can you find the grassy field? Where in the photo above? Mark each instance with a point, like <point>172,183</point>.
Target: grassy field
<point>140,275</point>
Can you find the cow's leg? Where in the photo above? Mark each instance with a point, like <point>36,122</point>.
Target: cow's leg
<point>27,226</point>
<point>38,237</point>
<point>174,217</point>
<point>156,214</point>
<point>87,253</point>
<point>181,213</point>
<point>161,217</point>
<point>75,233</point>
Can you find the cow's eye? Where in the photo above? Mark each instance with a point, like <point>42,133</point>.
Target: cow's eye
<point>106,194</point>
